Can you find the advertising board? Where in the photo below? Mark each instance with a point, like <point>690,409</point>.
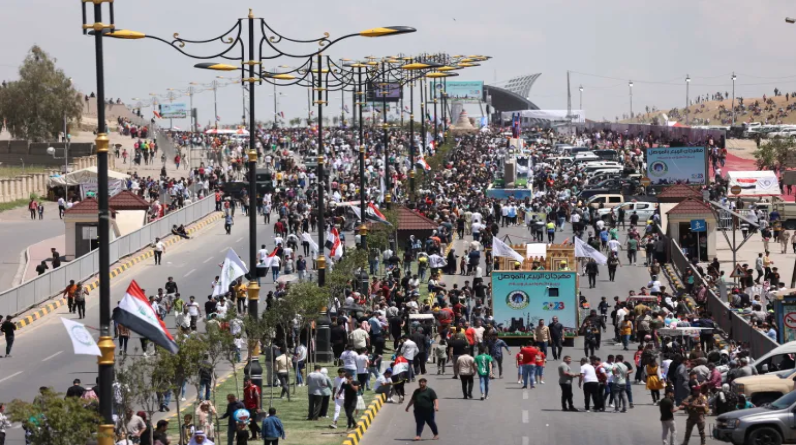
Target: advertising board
<point>469,91</point>
<point>522,298</point>
<point>381,91</point>
<point>173,111</point>
<point>677,165</point>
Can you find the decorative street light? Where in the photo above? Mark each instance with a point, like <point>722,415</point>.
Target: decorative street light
<point>733,97</point>
<point>247,62</point>
<point>581,97</point>
<point>630,85</point>
<point>687,85</point>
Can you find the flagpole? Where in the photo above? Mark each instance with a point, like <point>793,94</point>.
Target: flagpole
<point>412,139</point>
<point>363,231</point>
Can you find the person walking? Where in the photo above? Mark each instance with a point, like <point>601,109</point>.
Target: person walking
<point>556,337</point>
<point>251,400</point>
<point>483,363</point>
<point>697,407</point>
<point>283,364</point>
<point>592,270</point>
<point>316,383</point>
<point>668,425</point>
<point>272,429</point>
<point>590,384</point>
<point>465,365</point>
<point>159,249</point>
<point>349,391</point>
<point>565,376</point>
<point>8,328</point>
<point>426,404</point>
<point>527,360</point>
<point>80,300</point>
<point>4,424</point>
<point>619,385</point>
<point>233,404</point>
<point>542,337</point>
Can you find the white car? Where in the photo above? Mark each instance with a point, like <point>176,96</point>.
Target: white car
<point>644,210</point>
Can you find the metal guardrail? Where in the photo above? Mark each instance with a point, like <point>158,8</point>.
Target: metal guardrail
<point>736,327</point>
<point>44,287</point>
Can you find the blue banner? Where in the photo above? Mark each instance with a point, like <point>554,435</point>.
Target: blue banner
<point>522,298</point>
<point>677,165</point>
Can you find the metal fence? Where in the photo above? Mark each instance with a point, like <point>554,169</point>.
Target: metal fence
<point>736,327</point>
<point>44,287</point>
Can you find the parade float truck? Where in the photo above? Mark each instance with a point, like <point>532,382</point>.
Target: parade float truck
<point>522,296</point>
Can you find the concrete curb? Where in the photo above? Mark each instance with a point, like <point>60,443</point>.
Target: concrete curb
<point>24,259</point>
<point>365,421</point>
<point>94,284</point>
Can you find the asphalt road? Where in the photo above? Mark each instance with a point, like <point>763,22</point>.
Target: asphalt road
<point>42,353</point>
<point>513,416</point>
<point>16,236</point>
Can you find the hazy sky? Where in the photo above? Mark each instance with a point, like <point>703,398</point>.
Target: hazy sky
<point>654,44</point>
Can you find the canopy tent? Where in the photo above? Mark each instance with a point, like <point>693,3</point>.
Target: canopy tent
<point>84,176</point>
<point>227,131</point>
<point>755,183</point>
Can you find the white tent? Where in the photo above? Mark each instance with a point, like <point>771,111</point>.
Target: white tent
<point>84,176</point>
<point>755,183</point>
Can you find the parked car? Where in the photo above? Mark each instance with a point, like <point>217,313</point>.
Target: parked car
<point>772,424</point>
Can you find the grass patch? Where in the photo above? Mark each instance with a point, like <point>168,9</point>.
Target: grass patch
<point>12,171</point>
<point>10,205</point>
<point>292,413</point>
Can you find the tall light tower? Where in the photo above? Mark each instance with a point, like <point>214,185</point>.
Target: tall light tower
<point>630,85</point>
<point>687,86</point>
<point>581,97</point>
<point>733,97</point>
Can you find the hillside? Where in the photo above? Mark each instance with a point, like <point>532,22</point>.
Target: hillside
<point>781,111</point>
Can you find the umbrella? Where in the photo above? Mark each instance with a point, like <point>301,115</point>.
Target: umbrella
<point>287,278</point>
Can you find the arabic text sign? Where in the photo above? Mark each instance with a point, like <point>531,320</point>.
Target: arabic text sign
<point>465,90</point>
<point>677,165</point>
<point>524,297</point>
<point>173,111</point>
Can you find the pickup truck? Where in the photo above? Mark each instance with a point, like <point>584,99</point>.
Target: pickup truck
<point>772,424</point>
<point>763,389</point>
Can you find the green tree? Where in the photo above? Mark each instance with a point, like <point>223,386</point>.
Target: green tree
<point>54,420</point>
<point>774,153</point>
<point>380,235</point>
<point>178,369</point>
<point>35,106</point>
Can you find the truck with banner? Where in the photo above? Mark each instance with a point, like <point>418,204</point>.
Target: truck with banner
<point>520,298</point>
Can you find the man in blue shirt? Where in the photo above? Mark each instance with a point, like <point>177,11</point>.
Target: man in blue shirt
<point>376,333</point>
<point>301,267</point>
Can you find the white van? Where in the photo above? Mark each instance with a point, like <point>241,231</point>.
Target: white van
<point>607,171</point>
<point>586,156</point>
<point>591,167</point>
<point>778,359</point>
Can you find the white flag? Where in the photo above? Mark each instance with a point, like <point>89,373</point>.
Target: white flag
<point>436,261</point>
<point>82,340</point>
<point>308,238</point>
<point>357,211</point>
<point>232,269</point>
<point>583,250</point>
<point>499,248</point>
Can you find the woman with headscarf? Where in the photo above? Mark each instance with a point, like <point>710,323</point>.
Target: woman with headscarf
<point>199,438</point>
<point>204,418</point>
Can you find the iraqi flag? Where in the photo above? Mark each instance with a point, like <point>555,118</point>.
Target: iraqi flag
<point>372,213</point>
<point>334,244</point>
<point>400,366</point>
<point>423,164</point>
<point>136,313</point>
<point>269,259</point>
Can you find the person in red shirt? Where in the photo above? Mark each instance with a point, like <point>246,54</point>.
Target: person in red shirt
<point>445,316</point>
<point>251,400</point>
<point>528,363</point>
<point>469,332</point>
<point>540,361</point>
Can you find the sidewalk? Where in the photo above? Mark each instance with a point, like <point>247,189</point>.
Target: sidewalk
<point>36,253</point>
<point>747,254</point>
<point>17,232</point>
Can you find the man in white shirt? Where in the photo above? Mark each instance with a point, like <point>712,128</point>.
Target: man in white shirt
<point>222,307</point>
<point>61,207</point>
<point>349,360</point>
<point>160,248</point>
<point>614,245</point>
<point>262,253</point>
<point>589,383</point>
<point>654,285</point>
<point>410,350</point>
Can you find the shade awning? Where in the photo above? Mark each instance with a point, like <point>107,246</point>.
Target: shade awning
<point>84,176</point>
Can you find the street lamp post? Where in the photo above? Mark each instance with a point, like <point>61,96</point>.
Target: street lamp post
<point>107,359</point>
<point>581,97</point>
<point>687,86</point>
<point>321,263</point>
<point>630,85</point>
<point>733,97</point>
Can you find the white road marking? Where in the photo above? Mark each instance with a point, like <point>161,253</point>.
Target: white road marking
<point>525,418</point>
<point>12,375</point>
<point>525,395</point>
<point>223,250</point>
<point>239,240</point>
<point>57,353</point>
<point>207,260</point>
<point>189,272</point>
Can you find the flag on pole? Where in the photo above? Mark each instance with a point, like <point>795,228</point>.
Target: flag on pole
<point>333,243</point>
<point>282,113</point>
<point>373,213</point>
<point>269,259</point>
<point>82,341</point>
<point>423,164</point>
<point>157,115</point>
<point>135,312</point>
<point>583,250</point>
<point>231,269</point>
<point>345,107</point>
<point>218,118</point>
<point>501,249</point>
<point>308,238</point>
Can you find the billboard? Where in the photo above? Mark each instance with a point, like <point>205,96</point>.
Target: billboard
<point>677,165</point>
<point>471,91</point>
<point>522,298</point>
<point>173,111</point>
<point>381,91</point>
